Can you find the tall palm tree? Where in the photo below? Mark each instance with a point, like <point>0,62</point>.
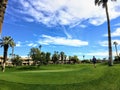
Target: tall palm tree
<point>40,46</point>
<point>83,57</point>
<point>62,56</point>
<point>104,5</point>
<point>6,42</point>
<point>115,43</point>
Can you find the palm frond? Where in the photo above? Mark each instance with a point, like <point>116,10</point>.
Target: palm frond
<point>96,2</point>
<point>100,2</point>
<point>103,5</point>
<point>105,1</point>
<point>7,40</point>
<point>12,44</point>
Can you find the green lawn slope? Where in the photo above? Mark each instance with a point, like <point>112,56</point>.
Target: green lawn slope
<point>61,77</point>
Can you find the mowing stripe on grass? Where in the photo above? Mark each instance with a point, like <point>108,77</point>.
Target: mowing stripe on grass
<point>40,71</point>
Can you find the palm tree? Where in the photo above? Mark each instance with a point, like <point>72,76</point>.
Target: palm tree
<point>115,43</point>
<point>6,42</point>
<point>83,57</point>
<point>62,56</point>
<point>40,46</point>
<point>104,5</point>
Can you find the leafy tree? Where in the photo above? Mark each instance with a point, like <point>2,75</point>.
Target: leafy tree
<point>6,42</point>
<point>35,54</point>
<point>70,57</point>
<point>104,5</point>
<point>42,59</point>
<point>62,56</point>
<point>65,58</point>
<point>86,61</point>
<point>55,57</point>
<point>16,60</point>
<point>74,59</point>
<point>48,57</point>
<point>39,57</point>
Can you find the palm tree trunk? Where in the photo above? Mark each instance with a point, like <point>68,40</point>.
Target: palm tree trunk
<point>116,50</point>
<point>110,62</point>
<point>5,57</point>
<point>12,52</point>
<point>3,67</point>
<point>0,27</point>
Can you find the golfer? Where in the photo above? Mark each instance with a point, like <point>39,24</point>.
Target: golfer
<point>94,61</point>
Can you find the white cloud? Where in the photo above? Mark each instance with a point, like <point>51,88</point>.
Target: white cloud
<point>97,20</point>
<point>100,54</point>
<point>65,31</point>
<point>32,45</point>
<point>29,19</point>
<point>61,41</point>
<point>118,24</point>
<point>103,54</point>
<point>105,43</point>
<point>83,26</point>
<point>18,44</point>
<point>115,33</point>
<point>97,53</point>
<point>77,24</point>
<point>67,12</point>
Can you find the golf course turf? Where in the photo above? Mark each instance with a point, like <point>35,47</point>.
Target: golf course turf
<point>61,77</point>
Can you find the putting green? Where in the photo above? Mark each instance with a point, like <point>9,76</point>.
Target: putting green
<point>62,76</point>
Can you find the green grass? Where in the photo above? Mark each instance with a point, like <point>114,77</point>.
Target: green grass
<point>61,77</point>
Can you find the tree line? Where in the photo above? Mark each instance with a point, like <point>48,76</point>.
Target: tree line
<point>43,58</point>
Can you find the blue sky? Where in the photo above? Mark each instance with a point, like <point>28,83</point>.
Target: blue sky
<point>77,28</point>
